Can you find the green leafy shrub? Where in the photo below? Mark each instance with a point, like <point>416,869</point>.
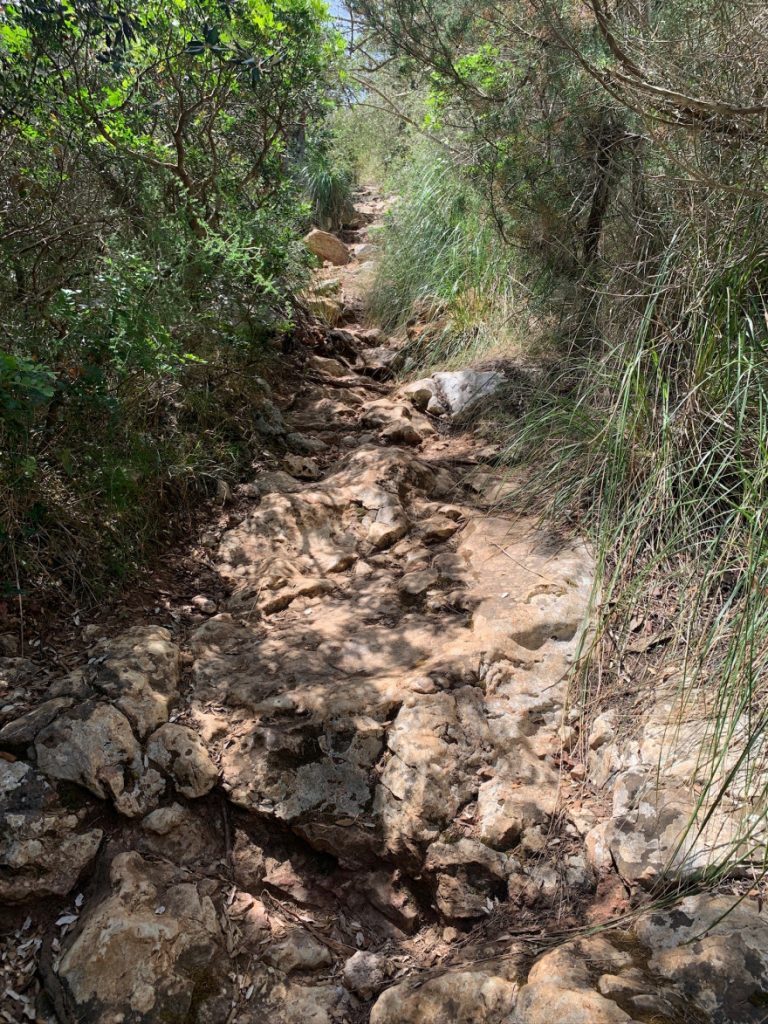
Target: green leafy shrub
<point>149,249</point>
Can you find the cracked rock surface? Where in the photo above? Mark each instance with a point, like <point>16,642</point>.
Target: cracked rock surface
<point>353,788</point>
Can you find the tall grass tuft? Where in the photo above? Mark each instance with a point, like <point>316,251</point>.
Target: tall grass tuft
<point>327,185</point>
<point>658,444</point>
<point>439,244</point>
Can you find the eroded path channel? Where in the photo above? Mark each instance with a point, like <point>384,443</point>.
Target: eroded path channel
<point>352,793</point>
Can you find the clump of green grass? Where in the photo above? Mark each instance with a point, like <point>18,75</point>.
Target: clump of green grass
<point>657,445</point>
<point>440,245</point>
<point>327,185</point>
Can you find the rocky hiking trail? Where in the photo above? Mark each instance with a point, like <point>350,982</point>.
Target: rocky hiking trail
<point>348,783</point>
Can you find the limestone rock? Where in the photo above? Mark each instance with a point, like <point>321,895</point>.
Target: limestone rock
<point>379,362</point>
<point>180,836</point>
<point>544,1002</point>
<point>144,952</point>
<point>325,308</point>
<point>437,528</point>
<point>402,432</point>
<point>522,794</point>
<point>139,672</point>
<point>290,1002</point>
<point>297,950</point>
<point>302,467</point>
<point>180,752</point>
<point>419,393</point>
<point>436,745</point>
<point>389,894</point>
<point>723,974</point>
<point>459,391</point>
<point>461,997</point>
<point>327,247</point>
<point>21,732</point>
<point>330,367</point>
<point>364,973</point>
<point>467,875</point>
<point>44,849</point>
<point>562,985</point>
<point>414,585</point>
<point>256,774</point>
<point>387,529</point>
<point>93,745</point>
<point>305,527</point>
<point>603,729</point>
<point>655,833</point>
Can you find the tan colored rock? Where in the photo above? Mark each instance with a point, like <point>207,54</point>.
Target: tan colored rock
<point>416,584</point>
<point>325,308</point>
<point>524,793</point>
<point>419,393</point>
<point>331,367</point>
<point>544,1003</point>
<point>562,985</point>
<point>388,528</point>
<point>460,997</point>
<point>302,467</point>
<point>402,432</point>
<point>365,973</point>
<point>291,1002</point>
<point>145,951</point>
<point>437,745</point>
<point>467,874</point>
<point>297,950</point>
<point>44,849</point>
<point>603,729</point>
<point>139,672</point>
<point>179,835</point>
<point>180,752</point>
<point>379,362</point>
<point>389,894</point>
<point>327,247</point>
<point>93,745</point>
<point>305,528</point>
<point>437,528</point>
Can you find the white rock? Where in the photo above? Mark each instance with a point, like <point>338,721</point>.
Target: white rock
<point>458,391</point>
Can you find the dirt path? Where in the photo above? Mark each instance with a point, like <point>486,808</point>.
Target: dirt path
<point>354,790</point>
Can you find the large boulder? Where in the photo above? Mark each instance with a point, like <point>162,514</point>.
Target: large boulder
<point>147,951</point>
<point>459,391</point>
<point>327,247</point>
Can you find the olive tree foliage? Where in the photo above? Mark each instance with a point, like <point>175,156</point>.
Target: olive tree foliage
<point>173,117</point>
<point>152,208</point>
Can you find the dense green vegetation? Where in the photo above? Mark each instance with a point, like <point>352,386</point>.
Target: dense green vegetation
<point>158,165</point>
<point>616,152</point>
<point>582,178</point>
